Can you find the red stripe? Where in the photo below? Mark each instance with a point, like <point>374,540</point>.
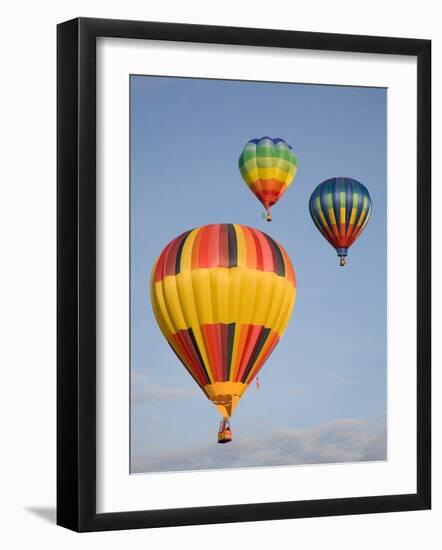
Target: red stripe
<point>159,271</point>
<point>268,260</point>
<point>268,203</point>
<point>223,246</point>
<point>210,249</point>
<point>267,185</point>
<point>204,247</point>
<point>269,193</point>
<point>348,235</point>
<point>214,234</point>
<point>339,241</point>
<point>252,334</point>
<point>266,193</point>
<point>211,335</point>
<point>170,262</point>
<point>224,351</point>
<point>242,337</point>
<point>259,256</point>
<point>188,356</point>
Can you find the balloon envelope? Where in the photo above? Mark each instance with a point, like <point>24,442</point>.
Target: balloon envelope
<point>222,295</point>
<point>268,167</point>
<point>340,208</point>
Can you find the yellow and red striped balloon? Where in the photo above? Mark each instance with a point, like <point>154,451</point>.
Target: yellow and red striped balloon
<point>222,295</point>
<point>268,167</point>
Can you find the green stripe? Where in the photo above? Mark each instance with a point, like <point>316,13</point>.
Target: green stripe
<point>329,198</point>
<point>286,154</point>
<point>265,151</point>
<point>319,208</point>
<point>247,155</point>
<point>342,199</point>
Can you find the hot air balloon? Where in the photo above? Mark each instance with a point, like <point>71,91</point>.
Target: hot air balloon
<point>268,166</point>
<point>222,295</point>
<point>340,208</point>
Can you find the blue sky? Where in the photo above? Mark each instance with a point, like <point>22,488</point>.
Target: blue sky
<point>323,390</point>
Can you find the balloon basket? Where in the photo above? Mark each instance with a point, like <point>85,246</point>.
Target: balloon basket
<point>224,433</point>
<point>268,217</point>
<point>342,261</point>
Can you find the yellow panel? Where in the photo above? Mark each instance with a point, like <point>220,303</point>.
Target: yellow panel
<point>286,310</point>
<point>220,286</point>
<point>281,175</point>
<point>266,173</point>
<point>220,295</point>
<point>353,216</point>
<point>276,303</point>
<point>247,295</point>
<point>364,209</point>
<point>252,175</point>
<point>160,310</point>
<point>200,283</point>
<point>225,395</point>
<point>331,214</point>
<point>172,302</point>
<point>263,299</point>
<point>235,293</point>
<point>342,215</point>
<point>360,229</point>
<point>291,174</point>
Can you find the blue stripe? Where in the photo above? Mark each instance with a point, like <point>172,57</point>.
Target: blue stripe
<point>359,192</point>
<point>336,186</point>
<point>323,194</point>
<point>348,202</point>
<point>314,211</point>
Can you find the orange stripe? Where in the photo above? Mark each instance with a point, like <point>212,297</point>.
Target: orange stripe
<point>196,250</point>
<point>272,185</point>
<point>289,271</point>
<point>250,248</point>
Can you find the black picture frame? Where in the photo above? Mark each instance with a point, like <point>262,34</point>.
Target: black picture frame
<point>76,274</point>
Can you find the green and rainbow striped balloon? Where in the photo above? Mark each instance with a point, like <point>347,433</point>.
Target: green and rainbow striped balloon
<point>268,167</point>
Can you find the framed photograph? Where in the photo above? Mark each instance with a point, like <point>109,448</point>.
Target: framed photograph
<point>243,274</point>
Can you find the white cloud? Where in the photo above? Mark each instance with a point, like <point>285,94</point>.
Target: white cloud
<point>343,440</point>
